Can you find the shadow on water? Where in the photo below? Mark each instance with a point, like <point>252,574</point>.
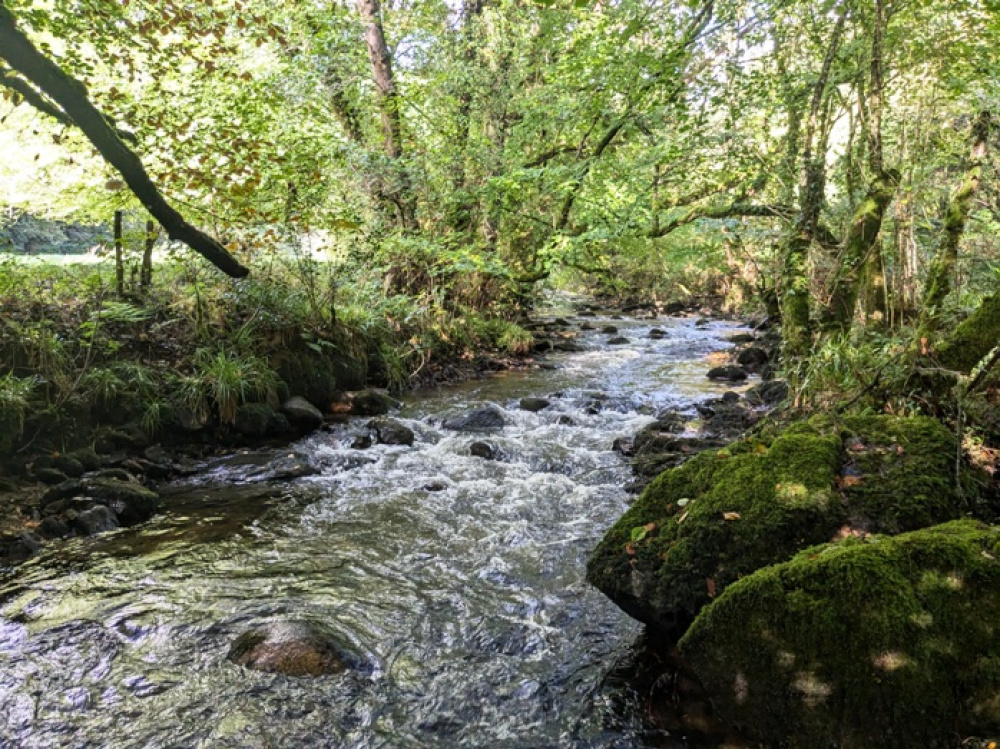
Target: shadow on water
<point>457,581</point>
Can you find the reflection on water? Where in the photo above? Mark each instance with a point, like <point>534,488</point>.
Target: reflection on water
<point>468,600</point>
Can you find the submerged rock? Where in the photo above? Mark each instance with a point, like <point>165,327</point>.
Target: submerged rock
<point>292,648</point>
<point>489,417</point>
<point>618,341</point>
<point>882,641</point>
<point>726,513</point>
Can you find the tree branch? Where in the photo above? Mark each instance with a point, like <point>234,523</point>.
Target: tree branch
<point>71,96</point>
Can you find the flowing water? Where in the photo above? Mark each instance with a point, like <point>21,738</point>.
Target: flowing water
<point>458,581</point>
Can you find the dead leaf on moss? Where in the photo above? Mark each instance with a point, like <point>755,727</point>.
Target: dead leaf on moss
<point>730,516</point>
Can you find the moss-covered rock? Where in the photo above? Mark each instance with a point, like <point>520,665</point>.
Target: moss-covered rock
<point>881,641</point>
<point>726,513</point>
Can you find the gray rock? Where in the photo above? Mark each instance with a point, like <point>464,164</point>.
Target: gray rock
<point>391,432</point>
<point>609,329</point>
<point>656,334</point>
<point>50,476</point>
<point>485,450</point>
<point>489,417</point>
<point>768,393</point>
<point>69,465</point>
<point>534,404</point>
<point>372,403</point>
<point>729,373</point>
<point>98,519</point>
<point>362,442</point>
<point>302,414</point>
<point>259,420</point>
<point>617,341</point>
<point>54,527</point>
<point>753,358</point>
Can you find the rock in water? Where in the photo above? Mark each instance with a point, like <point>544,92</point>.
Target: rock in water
<point>372,403</point>
<point>391,432</point>
<point>292,648</point>
<point>725,514</point>
<point>729,373</point>
<point>534,404</point>
<point>881,642</point>
<point>480,419</point>
<point>302,414</point>
<point>485,450</point>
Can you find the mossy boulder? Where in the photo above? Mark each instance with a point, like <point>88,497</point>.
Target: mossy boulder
<point>725,513</point>
<point>881,641</point>
<point>319,378</point>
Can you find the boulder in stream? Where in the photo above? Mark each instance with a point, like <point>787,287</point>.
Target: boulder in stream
<point>485,450</point>
<point>878,641</point>
<point>372,403</point>
<point>479,419</point>
<point>726,513</point>
<point>292,648</point>
<point>727,373</point>
<point>391,432</point>
<point>534,404</point>
<point>302,414</point>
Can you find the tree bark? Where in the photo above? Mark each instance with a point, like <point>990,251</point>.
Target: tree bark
<point>795,296</point>
<point>942,271</point>
<point>146,276</point>
<point>861,241</point>
<point>71,96</point>
<point>973,339</point>
<point>388,101</point>
<point>119,257</point>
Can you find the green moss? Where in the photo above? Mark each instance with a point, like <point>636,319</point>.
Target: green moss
<point>887,641</point>
<point>973,339</point>
<point>721,515</point>
<point>724,514</point>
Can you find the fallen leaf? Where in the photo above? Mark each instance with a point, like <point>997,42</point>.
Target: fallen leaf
<point>848,481</point>
<point>683,517</point>
<point>630,550</point>
<point>730,516</point>
<point>710,584</point>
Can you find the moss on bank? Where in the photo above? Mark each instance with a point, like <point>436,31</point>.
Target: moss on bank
<point>726,513</point>
<point>885,641</point>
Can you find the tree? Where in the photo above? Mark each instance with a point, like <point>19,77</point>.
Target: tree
<point>69,102</point>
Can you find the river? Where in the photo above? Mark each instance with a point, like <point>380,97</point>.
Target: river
<point>457,581</point>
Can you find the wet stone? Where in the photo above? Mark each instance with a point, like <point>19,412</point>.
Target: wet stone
<point>98,519</point>
<point>292,648</point>
<point>391,432</point>
<point>484,450</point>
<point>728,372</point>
<point>617,341</point>
<point>656,334</point>
<point>609,329</point>
<point>534,404</point>
<point>478,419</point>
<point>50,475</point>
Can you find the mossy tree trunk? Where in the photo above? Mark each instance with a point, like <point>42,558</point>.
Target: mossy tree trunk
<point>942,271</point>
<point>795,296</point>
<point>861,242</point>
<point>973,339</point>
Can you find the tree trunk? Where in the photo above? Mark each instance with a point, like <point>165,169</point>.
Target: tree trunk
<point>146,277</point>
<point>942,271</point>
<point>973,339</point>
<point>861,242</point>
<point>401,194</point>
<point>796,323</point>
<point>71,96</point>
<point>119,259</point>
